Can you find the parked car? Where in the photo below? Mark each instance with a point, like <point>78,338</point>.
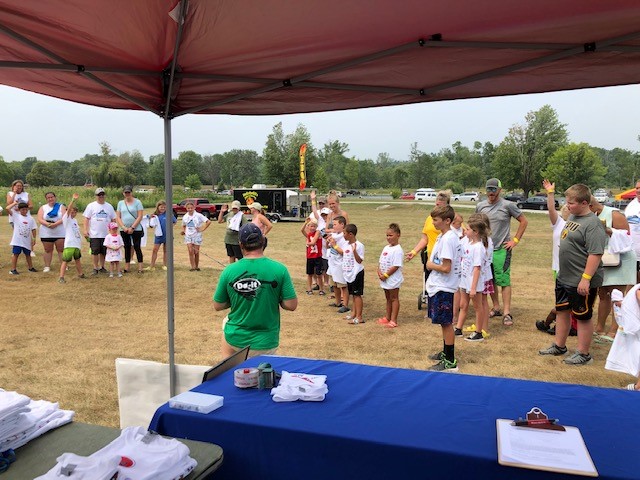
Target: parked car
<point>467,197</point>
<point>353,192</point>
<point>407,196</point>
<point>202,205</point>
<point>515,197</point>
<point>536,203</point>
<point>425,194</point>
<point>226,192</point>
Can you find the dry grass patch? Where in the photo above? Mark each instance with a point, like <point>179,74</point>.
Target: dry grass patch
<point>59,342</point>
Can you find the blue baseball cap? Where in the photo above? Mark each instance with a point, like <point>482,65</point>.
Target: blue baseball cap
<point>250,234</point>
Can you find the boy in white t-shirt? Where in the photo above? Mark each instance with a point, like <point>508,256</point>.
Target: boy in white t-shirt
<point>24,235</point>
<point>442,283</point>
<point>353,271</point>
<point>72,240</point>
<point>390,275</point>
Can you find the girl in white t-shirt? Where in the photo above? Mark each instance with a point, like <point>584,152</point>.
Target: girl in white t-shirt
<point>390,275</point>
<point>471,282</point>
<point>193,224</point>
<point>114,244</point>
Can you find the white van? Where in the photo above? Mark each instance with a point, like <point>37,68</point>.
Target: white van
<point>426,194</point>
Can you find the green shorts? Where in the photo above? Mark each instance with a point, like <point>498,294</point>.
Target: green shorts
<point>71,253</point>
<point>502,267</point>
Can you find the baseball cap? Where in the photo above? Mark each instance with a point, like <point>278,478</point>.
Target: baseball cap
<point>325,211</point>
<point>112,225</point>
<point>616,295</point>
<point>235,204</point>
<point>256,205</point>
<point>99,191</point>
<point>494,183</point>
<point>127,188</point>
<point>250,235</point>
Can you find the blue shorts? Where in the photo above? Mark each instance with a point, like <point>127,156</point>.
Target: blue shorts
<point>18,250</point>
<point>441,308</point>
<point>160,240</point>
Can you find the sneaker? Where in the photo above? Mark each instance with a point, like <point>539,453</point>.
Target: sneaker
<point>331,289</point>
<point>46,269</point>
<point>315,287</point>
<point>96,271</point>
<point>552,330</point>
<point>33,270</point>
<point>470,329</point>
<point>445,365</point>
<point>119,274</point>
<point>485,334</point>
<point>309,292</point>
<point>475,337</point>
<point>111,275</point>
<point>164,267</point>
<point>14,272</point>
<point>579,359</point>
<point>457,332</point>
<point>103,270</point>
<point>81,276</point>
<point>33,254</point>
<point>553,350</point>
<point>437,356</point>
<point>542,326</point>
<point>62,280</point>
<point>348,317</point>
<point>631,387</point>
<point>344,309</point>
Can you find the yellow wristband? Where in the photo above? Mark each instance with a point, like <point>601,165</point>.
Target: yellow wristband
<point>385,275</point>
<point>586,276</point>
<point>414,253</point>
<point>551,190</point>
<point>516,240</point>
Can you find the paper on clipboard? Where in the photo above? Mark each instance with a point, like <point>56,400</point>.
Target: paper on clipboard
<point>548,450</point>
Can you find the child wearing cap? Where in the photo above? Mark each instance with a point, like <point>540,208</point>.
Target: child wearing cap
<point>235,220</point>
<point>72,240</point>
<point>24,234</point>
<point>114,243</point>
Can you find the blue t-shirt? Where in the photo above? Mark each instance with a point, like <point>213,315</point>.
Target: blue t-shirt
<point>129,213</point>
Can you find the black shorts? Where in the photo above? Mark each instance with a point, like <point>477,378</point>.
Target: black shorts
<point>234,251</point>
<point>97,246</point>
<point>50,240</point>
<point>325,265</point>
<point>357,286</point>
<point>568,298</point>
<point>314,266</point>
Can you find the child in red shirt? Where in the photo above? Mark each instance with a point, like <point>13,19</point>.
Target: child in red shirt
<point>314,255</point>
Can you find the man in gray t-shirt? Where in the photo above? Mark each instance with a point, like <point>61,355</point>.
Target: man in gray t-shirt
<point>500,213</point>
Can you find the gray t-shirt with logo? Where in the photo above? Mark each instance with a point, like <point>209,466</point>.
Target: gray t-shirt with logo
<point>582,236</point>
<point>499,214</point>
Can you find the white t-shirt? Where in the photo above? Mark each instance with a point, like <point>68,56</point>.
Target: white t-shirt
<point>486,273</point>
<point>472,256</point>
<point>46,232</point>
<point>392,256</point>
<point>447,246</point>
<point>335,259</point>
<point>19,197</point>
<point>99,215</point>
<point>555,246</point>
<point>22,228</point>
<point>350,267</point>
<point>113,241</point>
<point>72,235</point>
<point>192,223</point>
<point>145,223</point>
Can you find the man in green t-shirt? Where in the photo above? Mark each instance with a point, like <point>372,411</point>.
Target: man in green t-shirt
<point>254,288</point>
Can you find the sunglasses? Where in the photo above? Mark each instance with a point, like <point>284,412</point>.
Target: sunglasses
<point>100,195</point>
<point>492,189</point>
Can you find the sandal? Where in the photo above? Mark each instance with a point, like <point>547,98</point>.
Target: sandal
<point>603,339</point>
<point>309,292</point>
<point>391,325</point>
<point>494,313</point>
<point>321,292</point>
<point>382,321</point>
<point>507,320</point>
<point>355,321</point>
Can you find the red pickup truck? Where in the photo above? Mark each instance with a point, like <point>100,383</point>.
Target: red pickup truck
<point>209,210</point>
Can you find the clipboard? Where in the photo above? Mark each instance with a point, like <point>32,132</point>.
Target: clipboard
<point>540,443</point>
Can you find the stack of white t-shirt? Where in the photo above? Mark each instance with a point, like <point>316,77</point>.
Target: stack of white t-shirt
<point>300,386</point>
<point>23,421</point>
<point>137,454</point>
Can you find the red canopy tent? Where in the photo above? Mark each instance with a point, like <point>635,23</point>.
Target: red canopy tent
<point>274,57</point>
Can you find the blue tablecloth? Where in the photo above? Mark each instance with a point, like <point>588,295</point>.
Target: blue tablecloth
<point>381,423</point>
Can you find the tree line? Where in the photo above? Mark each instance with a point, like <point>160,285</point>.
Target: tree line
<point>532,150</point>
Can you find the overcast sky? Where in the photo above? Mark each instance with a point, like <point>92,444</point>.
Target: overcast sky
<point>52,129</point>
